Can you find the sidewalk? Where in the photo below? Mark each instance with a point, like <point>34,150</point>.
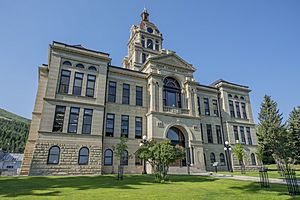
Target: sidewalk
<point>249,178</point>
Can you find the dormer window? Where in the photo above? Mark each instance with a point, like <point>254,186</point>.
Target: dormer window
<point>172,93</point>
<point>92,68</point>
<point>150,30</point>
<point>67,63</point>
<point>80,65</point>
<point>149,44</point>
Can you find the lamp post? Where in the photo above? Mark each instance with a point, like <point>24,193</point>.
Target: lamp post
<point>144,141</point>
<point>228,149</point>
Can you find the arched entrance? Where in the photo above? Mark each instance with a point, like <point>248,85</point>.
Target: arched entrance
<point>176,137</point>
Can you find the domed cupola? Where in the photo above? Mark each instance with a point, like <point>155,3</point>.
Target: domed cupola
<point>145,41</point>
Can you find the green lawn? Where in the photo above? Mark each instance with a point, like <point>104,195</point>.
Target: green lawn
<point>135,187</point>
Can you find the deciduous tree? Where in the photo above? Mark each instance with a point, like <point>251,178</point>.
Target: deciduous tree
<point>160,155</point>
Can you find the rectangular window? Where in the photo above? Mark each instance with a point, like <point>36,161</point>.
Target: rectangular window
<point>144,57</point>
<point>90,85</point>
<point>244,110</point>
<point>139,96</point>
<point>64,81</point>
<point>112,88</point>
<point>209,133</point>
<point>87,121</point>
<point>242,131</point>
<point>236,133</point>
<point>110,124</point>
<point>238,111</point>
<point>59,118</point>
<point>73,120</point>
<point>215,107</point>
<point>206,106</point>
<point>126,94</point>
<point>138,127</point>
<point>124,125</point>
<point>219,134</point>
<point>231,108</point>
<point>249,136</point>
<point>198,104</point>
<point>77,87</point>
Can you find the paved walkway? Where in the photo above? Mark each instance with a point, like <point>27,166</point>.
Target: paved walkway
<point>249,178</point>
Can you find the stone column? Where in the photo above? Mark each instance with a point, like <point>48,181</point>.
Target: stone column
<point>189,100</point>
<point>152,95</point>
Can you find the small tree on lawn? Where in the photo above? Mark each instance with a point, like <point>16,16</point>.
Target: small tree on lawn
<point>239,153</point>
<point>260,155</point>
<point>160,155</point>
<point>119,151</point>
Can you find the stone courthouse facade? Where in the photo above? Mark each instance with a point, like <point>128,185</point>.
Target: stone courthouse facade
<point>84,105</point>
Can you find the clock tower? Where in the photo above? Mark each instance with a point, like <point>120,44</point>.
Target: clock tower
<point>145,41</point>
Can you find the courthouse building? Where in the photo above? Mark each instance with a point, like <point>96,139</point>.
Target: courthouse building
<point>84,105</point>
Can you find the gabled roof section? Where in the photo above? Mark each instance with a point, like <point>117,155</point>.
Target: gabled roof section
<point>77,46</point>
<point>171,58</point>
<point>222,83</point>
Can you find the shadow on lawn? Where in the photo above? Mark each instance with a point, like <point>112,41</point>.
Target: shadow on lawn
<point>51,186</point>
<point>255,187</point>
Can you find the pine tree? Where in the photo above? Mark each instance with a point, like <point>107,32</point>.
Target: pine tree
<point>294,131</point>
<point>271,131</point>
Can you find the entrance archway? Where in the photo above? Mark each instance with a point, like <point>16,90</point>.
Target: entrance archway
<point>176,137</point>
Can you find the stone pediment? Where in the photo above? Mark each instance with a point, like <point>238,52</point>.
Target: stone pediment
<point>171,59</point>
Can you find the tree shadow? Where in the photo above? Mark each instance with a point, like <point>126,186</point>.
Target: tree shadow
<point>51,186</point>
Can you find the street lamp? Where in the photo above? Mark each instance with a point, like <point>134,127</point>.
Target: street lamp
<point>227,149</point>
<point>144,141</point>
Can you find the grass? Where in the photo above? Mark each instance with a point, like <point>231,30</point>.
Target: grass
<point>135,187</point>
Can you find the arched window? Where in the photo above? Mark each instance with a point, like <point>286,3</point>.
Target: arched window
<point>212,158</point>
<point>67,63</point>
<point>108,157</point>
<point>156,45</point>
<point>124,158</point>
<point>229,95</point>
<point>83,158</point>
<point>177,138</point>
<point>79,65</point>
<point>172,93</point>
<point>92,68</point>
<point>243,98</point>
<point>253,160</point>
<point>222,159</point>
<point>236,97</point>
<point>149,44</point>
<point>53,155</point>
<point>143,41</point>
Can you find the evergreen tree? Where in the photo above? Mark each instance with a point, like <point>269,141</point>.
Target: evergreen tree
<point>294,131</point>
<point>272,135</point>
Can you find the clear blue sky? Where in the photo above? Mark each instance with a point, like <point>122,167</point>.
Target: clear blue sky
<point>255,43</point>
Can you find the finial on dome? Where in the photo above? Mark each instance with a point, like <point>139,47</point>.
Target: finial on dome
<point>145,10</point>
<point>145,15</point>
